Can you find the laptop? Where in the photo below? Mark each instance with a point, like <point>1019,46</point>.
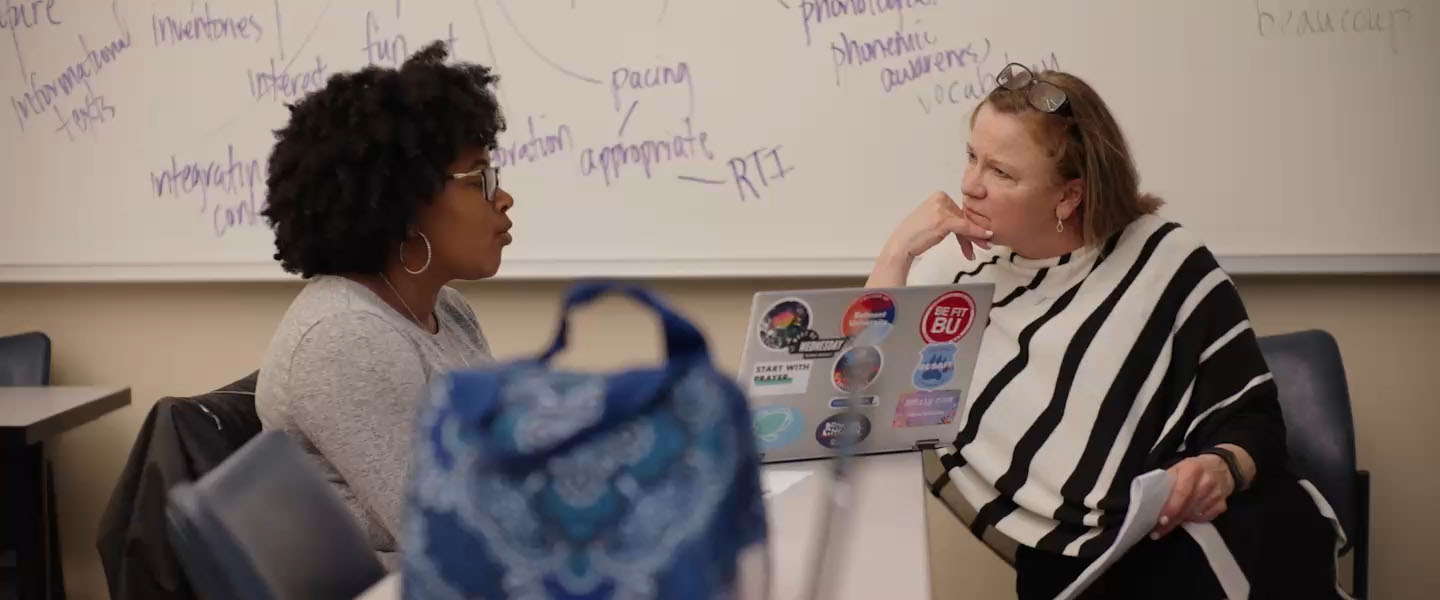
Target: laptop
<point>861,370</point>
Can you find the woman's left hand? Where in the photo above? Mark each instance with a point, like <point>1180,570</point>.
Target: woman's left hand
<point>1202,483</point>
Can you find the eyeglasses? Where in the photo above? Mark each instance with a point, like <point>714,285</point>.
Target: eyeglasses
<point>1043,96</point>
<point>489,180</point>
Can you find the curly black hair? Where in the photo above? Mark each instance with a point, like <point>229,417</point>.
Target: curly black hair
<point>358,159</point>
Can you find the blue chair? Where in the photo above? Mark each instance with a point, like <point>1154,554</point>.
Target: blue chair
<point>1315,400</point>
<point>25,361</point>
<point>266,525</point>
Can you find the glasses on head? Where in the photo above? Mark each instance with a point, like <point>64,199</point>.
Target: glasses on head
<point>1043,96</point>
<point>489,180</point>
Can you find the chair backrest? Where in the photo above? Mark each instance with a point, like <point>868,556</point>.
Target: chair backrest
<point>25,359</point>
<point>266,525</point>
<point>1315,400</point>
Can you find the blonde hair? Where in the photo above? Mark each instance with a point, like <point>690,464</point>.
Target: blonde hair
<point>1086,143</point>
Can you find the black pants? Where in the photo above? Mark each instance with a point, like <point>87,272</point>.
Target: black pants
<point>1284,546</point>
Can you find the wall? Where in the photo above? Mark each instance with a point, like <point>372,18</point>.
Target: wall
<point>184,339</point>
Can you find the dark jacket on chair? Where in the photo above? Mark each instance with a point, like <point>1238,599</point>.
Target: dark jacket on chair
<point>181,440</point>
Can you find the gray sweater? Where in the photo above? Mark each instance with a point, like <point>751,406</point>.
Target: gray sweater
<point>344,376</point>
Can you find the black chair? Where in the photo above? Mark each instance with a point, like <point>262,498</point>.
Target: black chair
<point>266,525</point>
<point>1315,400</point>
<point>25,361</point>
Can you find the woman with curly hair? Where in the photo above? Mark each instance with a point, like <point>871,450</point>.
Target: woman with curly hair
<point>380,192</point>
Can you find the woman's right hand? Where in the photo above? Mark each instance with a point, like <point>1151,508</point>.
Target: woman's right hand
<point>937,217</point>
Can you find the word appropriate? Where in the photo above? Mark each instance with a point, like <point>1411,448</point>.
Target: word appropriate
<point>1315,21</point>
<point>610,161</point>
<point>817,12</point>
<point>26,14</point>
<point>535,148</point>
<point>44,93</point>
<point>281,86</point>
<point>174,31</point>
<point>627,79</point>
<point>850,53</point>
<point>976,84</point>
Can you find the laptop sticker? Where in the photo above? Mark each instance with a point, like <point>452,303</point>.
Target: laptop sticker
<point>776,426</point>
<point>869,319</point>
<point>781,378</point>
<point>812,346</point>
<point>785,323</point>
<point>936,367</point>
<point>927,408</point>
<point>857,368</point>
<point>843,429</point>
<point>948,318</point>
<point>860,402</point>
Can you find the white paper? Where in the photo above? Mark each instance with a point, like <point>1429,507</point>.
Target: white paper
<point>775,481</point>
<point>1148,494</point>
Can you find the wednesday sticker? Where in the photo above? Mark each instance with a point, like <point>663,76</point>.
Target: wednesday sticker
<point>780,378</point>
<point>926,409</point>
<point>948,318</point>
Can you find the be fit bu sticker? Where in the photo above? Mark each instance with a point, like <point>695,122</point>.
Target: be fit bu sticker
<point>948,318</point>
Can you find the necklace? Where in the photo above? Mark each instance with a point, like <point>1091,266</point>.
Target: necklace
<point>419,323</point>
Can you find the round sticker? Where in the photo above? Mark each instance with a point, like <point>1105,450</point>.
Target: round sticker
<point>784,323</point>
<point>857,368</point>
<point>776,426</point>
<point>843,429</point>
<point>948,318</point>
<point>869,319</point>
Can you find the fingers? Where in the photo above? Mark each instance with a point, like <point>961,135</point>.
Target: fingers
<point>966,248</point>
<point>966,228</point>
<point>1174,513</point>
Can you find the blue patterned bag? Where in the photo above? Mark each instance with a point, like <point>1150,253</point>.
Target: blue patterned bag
<point>529,482</point>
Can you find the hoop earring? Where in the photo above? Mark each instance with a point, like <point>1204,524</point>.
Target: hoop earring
<point>427,256</point>
<point>1059,225</point>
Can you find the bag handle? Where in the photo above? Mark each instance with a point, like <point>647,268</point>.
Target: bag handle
<point>683,342</point>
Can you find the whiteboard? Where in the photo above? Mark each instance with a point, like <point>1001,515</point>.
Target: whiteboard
<point>741,138</point>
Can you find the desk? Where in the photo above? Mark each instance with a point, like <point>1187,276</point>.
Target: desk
<point>29,417</point>
<point>884,546</point>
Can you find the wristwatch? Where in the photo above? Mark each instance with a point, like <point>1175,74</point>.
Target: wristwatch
<point>1231,463</point>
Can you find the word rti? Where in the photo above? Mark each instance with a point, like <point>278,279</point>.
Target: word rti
<point>763,166</point>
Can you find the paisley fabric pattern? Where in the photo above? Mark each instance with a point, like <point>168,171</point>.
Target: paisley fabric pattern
<point>528,483</point>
